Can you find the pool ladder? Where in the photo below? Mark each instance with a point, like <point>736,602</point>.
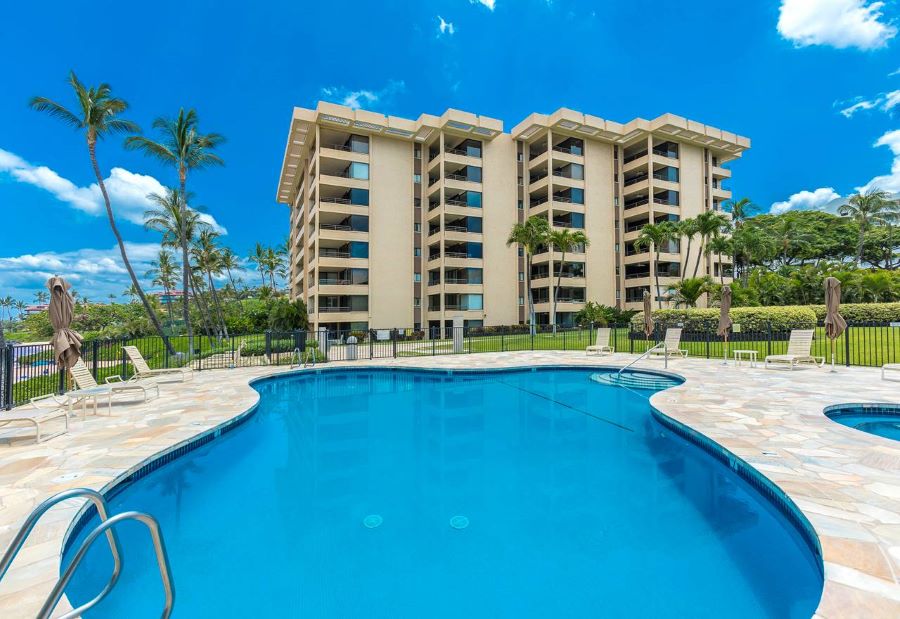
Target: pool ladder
<point>106,526</point>
<point>309,359</point>
<point>643,355</point>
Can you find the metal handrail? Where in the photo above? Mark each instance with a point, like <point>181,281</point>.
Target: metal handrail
<point>102,511</point>
<point>294,354</point>
<point>162,560</point>
<point>641,356</point>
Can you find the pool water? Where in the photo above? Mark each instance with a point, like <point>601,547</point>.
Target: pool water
<point>879,419</point>
<point>414,494</point>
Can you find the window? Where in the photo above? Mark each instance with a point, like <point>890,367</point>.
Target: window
<point>417,228</point>
<point>473,174</point>
<point>473,148</point>
<point>417,179</point>
<point>473,199</point>
<point>360,197</point>
<point>417,151</point>
<point>521,252</point>
<point>359,171</point>
<point>521,276</point>
<point>417,302</point>
<point>617,248</point>
<point>359,249</point>
<point>359,144</point>
<point>576,171</point>
<point>417,277</point>
<point>577,220</point>
<point>417,251</point>
<point>521,300</point>
<point>577,195</point>
<point>473,224</point>
<point>473,250</point>
<point>521,205</point>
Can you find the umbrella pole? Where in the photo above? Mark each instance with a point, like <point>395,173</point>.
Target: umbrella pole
<point>725,351</point>
<point>832,354</point>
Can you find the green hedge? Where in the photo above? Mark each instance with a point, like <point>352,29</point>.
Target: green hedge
<point>749,318</point>
<point>864,312</point>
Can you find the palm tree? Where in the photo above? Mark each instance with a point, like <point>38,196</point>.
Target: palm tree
<point>687,229</point>
<point>656,236</point>
<point>41,297</point>
<point>207,257</point>
<point>709,224</point>
<point>874,207</point>
<point>230,261</point>
<point>6,302</point>
<point>164,274</point>
<point>689,291</point>
<point>112,298</point>
<point>98,109</point>
<point>186,149</point>
<point>564,240</point>
<point>530,236</point>
<point>719,245</point>
<point>740,210</point>
<point>130,292</point>
<point>258,257</point>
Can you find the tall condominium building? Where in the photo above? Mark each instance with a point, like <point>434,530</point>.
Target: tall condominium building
<point>404,223</point>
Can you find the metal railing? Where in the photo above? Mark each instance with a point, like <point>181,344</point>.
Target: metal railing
<point>105,527</point>
<point>644,355</point>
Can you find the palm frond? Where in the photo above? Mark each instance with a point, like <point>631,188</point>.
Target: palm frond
<point>150,147</point>
<point>54,109</point>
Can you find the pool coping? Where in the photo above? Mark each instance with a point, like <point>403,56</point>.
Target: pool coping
<point>839,594</point>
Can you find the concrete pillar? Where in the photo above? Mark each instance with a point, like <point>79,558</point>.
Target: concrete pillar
<point>457,334</point>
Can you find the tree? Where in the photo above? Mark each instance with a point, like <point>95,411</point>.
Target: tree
<point>709,224</point>
<point>688,291</point>
<point>655,236</point>
<point>875,207</point>
<point>98,110</point>
<point>719,245</point>
<point>186,149</point>
<point>687,229</point>
<point>740,210</point>
<point>208,259</point>
<point>41,297</point>
<point>164,274</point>
<point>230,261</point>
<point>258,257</point>
<point>530,236</point>
<point>287,315</point>
<point>564,240</point>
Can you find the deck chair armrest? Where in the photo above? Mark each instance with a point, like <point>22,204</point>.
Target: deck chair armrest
<point>115,378</point>
<point>57,401</point>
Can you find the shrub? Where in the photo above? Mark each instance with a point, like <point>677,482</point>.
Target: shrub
<point>287,315</point>
<point>863,312</point>
<point>749,318</point>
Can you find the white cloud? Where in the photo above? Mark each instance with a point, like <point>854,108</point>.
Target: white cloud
<point>806,201</point>
<point>885,102</point>
<point>357,98</point>
<point>893,73</point>
<point>488,3</point>
<point>887,182</point>
<point>127,190</point>
<point>838,23</point>
<point>445,27</point>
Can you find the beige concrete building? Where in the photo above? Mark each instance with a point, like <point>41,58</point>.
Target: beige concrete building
<point>402,223</point>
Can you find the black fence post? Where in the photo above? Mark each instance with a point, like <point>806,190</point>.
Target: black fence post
<point>268,345</point>
<point>371,344</point>
<point>95,351</point>
<point>502,342</point>
<point>707,344</point>
<point>768,338</point>
<point>630,334</point>
<point>122,343</point>
<point>847,345</point>
<point>394,342</point>
<point>6,380</point>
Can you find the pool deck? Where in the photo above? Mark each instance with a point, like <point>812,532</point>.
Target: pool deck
<point>846,482</point>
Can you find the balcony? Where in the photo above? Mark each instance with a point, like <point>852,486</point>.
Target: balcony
<point>327,252</point>
<point>634,156</point>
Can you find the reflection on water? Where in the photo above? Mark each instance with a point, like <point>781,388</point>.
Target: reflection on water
<point>578,504</point>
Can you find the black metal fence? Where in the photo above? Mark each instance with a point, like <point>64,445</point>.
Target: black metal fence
<point>28,371</point>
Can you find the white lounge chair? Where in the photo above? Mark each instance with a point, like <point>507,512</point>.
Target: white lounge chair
<point>142,368</point>
<point>88,388</point>
<point>37,415</point>
<point>601,345</point>
<point>799,347</point>
<point>672,345</point>
<point>890,367</point>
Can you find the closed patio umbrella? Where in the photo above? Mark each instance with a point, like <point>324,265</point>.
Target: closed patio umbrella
<point>66,343</point>
<point>834,322</point>
<point>725,318</point>
<point>648,317</point>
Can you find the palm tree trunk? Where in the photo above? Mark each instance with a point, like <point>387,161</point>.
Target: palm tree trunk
<point>562,263</point>
<point>722,270</point>
<point>531,317</point>
<point>656,275</point>
<point>201,307</point>
<point>234,288</point>
<point>215,297</point>
<point>185,264</point>
<point>115,230</point>
<point>699,255</point>
<point>859,245</point>
<point>687,257</point>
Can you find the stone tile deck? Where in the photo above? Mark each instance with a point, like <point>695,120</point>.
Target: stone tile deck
<point>846,482</point>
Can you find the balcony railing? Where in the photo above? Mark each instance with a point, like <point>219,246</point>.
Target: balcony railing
<point>635,179</point>
<point>461,151</point>
<point>456,254</point>
<point>325,281</point>
<point>636,203</point>
<point>565,224</point>
<point>664,202</point>
<point>568,150</point>
<point>536,155</point>
<point>434,256</point>
<point>538,201</point>
<point>564,200</point>
<point>341,227</point>
<point>631,158</point>
<point>665,153</point>
<point>346,148</point>
<point>460,177</point>
<point>456,229</point>
<point>459,280</point>
<point>664,177</point>
<point>537,176</point>
<point>332,200</point>
<point>342,308</point>
<point>453,202</point>
<point>325,252</point>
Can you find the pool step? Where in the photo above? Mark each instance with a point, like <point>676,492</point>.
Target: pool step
<point>634,380</point>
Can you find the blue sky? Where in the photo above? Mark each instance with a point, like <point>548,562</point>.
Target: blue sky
<point>809,81</point>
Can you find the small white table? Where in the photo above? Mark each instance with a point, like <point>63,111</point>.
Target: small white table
<point>740,355</point>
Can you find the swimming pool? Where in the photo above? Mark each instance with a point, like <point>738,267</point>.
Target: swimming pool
<point>409,493</point>
<point>879,419</point>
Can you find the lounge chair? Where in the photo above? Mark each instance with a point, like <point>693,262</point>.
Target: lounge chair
<point>890,367</point>
<point>88,388</point>
<point>799,347</point>
<point>37,415</point>
<point>601,345</point>
<point>143,370</point>
<point>671,345</point>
